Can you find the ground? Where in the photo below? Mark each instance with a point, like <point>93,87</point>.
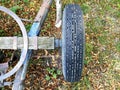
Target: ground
<point>102,28</point>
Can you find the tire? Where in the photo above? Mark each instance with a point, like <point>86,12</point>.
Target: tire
<point>73,42</point>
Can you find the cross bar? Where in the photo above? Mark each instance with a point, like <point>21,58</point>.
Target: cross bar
<point>33,43</point>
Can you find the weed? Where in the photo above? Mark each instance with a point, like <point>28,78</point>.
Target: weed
<point>52,73</point>
<point>2,33</point>
<point>47,77</point>
<point>28,26</point>
<point>2,88</point>
<point>3,1</point>
<point>26,1</point>
<point>48,25</point>
<point>15,8</point>
<point>43,30</point>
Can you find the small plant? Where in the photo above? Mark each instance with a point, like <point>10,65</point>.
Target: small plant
<point>48,25</point>
<point>2,33</point>
<point>52,73</point>
<point>2,88</point>
<point>2,1</point>
<point>47,77</point>
<point>28,26</point>
<point>43,30</point>
<point>15,8</point>
<point>26,1</point>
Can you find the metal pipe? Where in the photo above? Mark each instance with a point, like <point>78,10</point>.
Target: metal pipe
<point>25,49</point>
<point>58,13</point>
<point>34,31</point>
<point>57,43</point>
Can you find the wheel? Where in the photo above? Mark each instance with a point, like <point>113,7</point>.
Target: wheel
<point>73,42</point>
<point>25,41</point>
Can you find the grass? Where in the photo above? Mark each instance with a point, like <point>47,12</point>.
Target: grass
<point>118,46</point>
<point>86,8</point>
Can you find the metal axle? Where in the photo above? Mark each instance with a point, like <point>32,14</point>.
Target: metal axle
<point>33,43</point>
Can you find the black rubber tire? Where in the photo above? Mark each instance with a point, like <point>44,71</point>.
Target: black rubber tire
<point>73,42</point>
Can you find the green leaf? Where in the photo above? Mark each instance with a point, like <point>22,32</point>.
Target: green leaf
<point>58,72</point>
<point>43,30</point>
<point>28,27</point>
<point>86,62</point>
<point>15,8</point>
<point>49,70</point>
<point>54,75</point>
<point>47,77</point>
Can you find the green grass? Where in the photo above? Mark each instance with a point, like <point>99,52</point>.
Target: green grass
<point>85,8</point>
<point>118,46</point>
<point>89,49</point>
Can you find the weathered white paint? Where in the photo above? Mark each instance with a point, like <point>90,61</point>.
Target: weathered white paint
<point>34,43</point>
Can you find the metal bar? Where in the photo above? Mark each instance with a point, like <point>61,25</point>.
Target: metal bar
<point>58,43</point>
<point>58,13</point>
<point>34,31</point>
<point>25,49</point>
<point>34,43</point>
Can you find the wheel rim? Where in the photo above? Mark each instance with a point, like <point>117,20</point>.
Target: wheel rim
<point>25,41</point>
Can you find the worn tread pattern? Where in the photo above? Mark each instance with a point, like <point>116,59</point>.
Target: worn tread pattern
<point>72,43</point>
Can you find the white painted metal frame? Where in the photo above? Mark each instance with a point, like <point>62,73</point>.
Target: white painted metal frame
<point>25,41</point>
<point>34,32</point>
<point>35,43</point>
